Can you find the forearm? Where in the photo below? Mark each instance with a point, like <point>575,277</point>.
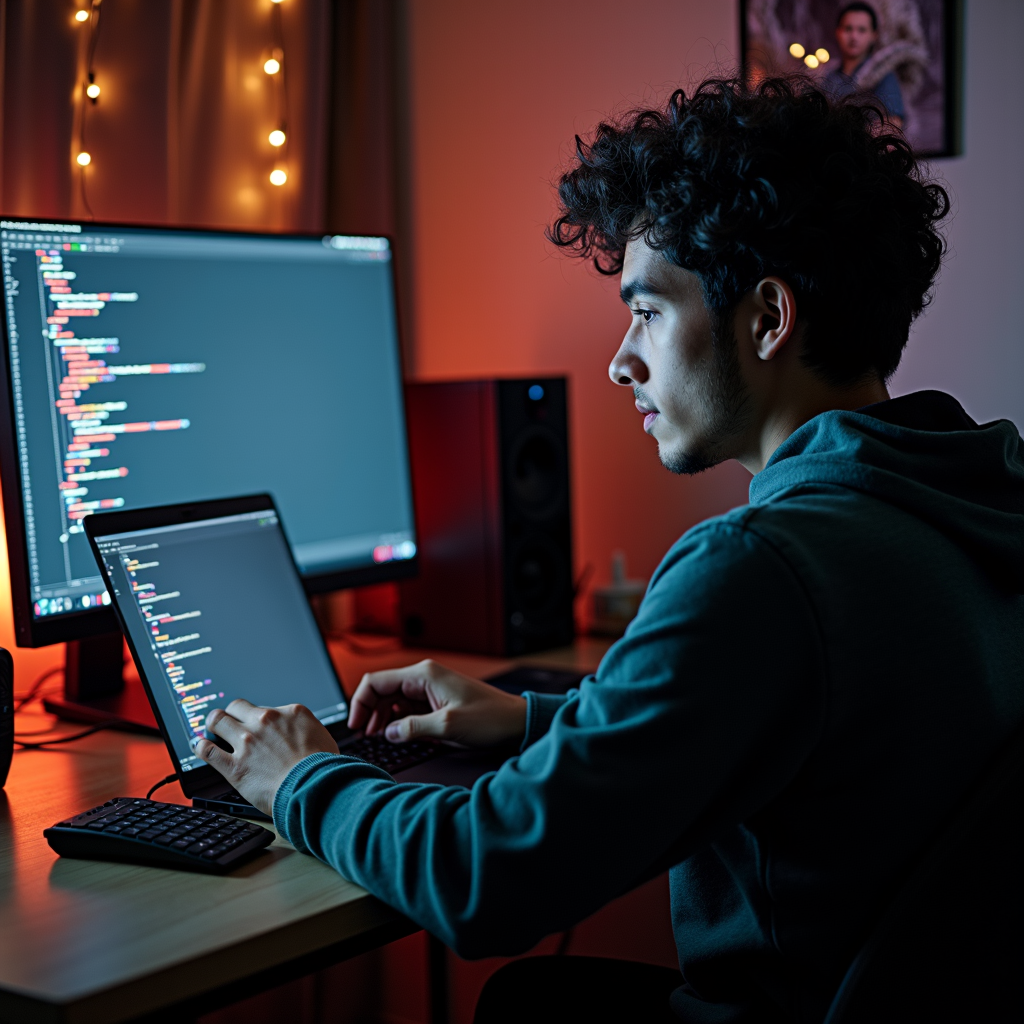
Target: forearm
<point>446,857</point>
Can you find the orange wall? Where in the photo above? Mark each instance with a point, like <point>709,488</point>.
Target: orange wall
<point>498,91</point>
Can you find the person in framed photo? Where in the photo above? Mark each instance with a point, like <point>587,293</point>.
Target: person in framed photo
<point>856,36</point>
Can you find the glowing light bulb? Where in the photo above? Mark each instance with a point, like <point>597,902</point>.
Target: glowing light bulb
<point>278,177</point>
<point>272,66</point>
<point>275,1</point>
<point>822,55</point>
<point>84,159</point>
<point>92,91</point>
<point>811,61</point>
<point>81,15</point>
<point>796,50</point>
<point>276,137</point>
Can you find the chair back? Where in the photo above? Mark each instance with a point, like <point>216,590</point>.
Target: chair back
<point>949,946</point>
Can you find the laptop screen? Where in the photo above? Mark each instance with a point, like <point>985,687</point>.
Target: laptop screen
<point>216,610</point>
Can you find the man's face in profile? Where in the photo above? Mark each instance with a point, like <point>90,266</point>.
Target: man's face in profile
<point>687,384</point>
<point>855,35</point>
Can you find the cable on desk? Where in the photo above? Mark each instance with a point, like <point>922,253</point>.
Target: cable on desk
<point>163,782</point>
<point>41,744</point>
<point>33,690</point>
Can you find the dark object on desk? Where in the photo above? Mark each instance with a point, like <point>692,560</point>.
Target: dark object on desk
<point>6,713</point>
<point>490,469</point>
<point>948,948</point>
<point>95,690</point>
<point>163,835</point>
<point>539,680</point>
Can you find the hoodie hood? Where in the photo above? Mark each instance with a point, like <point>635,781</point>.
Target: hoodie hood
<point>925,455</point>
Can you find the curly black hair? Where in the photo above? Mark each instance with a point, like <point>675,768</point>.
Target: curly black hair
<point>736,183</point>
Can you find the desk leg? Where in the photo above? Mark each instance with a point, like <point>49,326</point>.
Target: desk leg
<point>437,970</point>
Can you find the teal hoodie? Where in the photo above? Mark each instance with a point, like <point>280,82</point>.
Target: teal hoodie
<point>811,683</point>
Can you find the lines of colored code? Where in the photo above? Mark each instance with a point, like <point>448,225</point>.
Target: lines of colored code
<point>80,365</point>
<point>173,643</point>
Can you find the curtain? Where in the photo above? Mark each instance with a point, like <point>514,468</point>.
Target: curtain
<point>179,132</point>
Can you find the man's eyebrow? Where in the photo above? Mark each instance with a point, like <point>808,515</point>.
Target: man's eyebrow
<point>630,291</point>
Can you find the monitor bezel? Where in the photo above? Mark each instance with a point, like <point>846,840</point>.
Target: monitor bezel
<point>77,625</point>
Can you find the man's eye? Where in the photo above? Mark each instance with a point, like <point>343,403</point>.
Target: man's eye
<point>647,315</point>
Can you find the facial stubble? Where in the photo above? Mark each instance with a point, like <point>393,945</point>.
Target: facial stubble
<point>720,400</point>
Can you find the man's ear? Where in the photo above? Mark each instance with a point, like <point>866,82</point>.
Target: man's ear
<point>773,316</point>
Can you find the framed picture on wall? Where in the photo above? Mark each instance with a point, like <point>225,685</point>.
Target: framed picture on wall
<point>901,55</point>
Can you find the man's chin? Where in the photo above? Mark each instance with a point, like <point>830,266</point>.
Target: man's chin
<point>688,461</point>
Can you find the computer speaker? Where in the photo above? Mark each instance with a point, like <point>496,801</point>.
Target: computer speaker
<point>490,468</point>
<point>6,713</point>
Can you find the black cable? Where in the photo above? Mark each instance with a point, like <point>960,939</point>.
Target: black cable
<point>25,745</point>
<point>33,690</point>
<point>163,782</point>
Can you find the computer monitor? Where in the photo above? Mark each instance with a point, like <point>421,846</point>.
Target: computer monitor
<point>148,366</point>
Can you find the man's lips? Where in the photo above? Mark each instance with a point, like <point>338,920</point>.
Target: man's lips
<point>649,414</point>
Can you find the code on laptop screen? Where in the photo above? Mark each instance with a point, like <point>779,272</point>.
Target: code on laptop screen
<point>215,611</point>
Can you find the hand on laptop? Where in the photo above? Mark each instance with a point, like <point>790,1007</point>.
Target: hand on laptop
<point>268,743</point>
<point>429,701</point>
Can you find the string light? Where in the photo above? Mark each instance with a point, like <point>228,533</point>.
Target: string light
<point>822,55</point>
<point>811,61</point>
<point>796,50</point>
<point>90,14</point>
<point>275,67</point>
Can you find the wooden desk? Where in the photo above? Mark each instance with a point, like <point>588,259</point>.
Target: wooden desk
<point>85,941</point>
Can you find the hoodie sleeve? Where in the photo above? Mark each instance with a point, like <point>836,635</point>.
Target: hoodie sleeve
<point>697,717</point>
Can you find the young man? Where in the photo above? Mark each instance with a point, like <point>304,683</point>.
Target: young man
<point>856,35</point>
<point>812,680</point>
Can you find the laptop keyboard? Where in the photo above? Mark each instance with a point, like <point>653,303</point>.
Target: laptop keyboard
<point>393,757</point>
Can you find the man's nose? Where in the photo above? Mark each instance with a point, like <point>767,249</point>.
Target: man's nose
<point>626,367</point>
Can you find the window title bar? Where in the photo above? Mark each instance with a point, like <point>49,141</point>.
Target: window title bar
<point>21,225</point>
<point>356,242</point>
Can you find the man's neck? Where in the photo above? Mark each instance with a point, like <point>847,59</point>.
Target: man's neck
<point>850,64</point>
<point>788,416</point>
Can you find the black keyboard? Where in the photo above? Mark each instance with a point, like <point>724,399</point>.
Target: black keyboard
<point>164,835</point>
<point>393,757</point>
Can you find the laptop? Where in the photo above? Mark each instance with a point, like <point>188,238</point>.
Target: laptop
<point>213,608</point>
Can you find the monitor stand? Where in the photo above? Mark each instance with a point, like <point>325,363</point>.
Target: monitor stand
<point>96,691</point>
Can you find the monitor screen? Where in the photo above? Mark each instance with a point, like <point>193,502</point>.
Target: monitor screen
<point>152,366</point>
<point>198,651</point>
